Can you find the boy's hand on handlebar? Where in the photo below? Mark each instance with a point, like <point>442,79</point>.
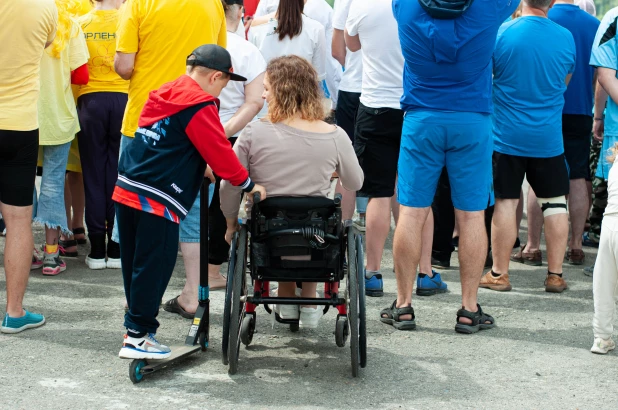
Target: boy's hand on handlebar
<point>259,189</point>
<point>208,174</point>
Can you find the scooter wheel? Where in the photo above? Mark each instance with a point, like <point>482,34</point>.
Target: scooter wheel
<point>135,369</point>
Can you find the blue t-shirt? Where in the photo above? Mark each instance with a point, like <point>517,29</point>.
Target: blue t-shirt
<point>532,59</point>
<point>579,96</point>
<point>448,62</point>
<point>605,54</point>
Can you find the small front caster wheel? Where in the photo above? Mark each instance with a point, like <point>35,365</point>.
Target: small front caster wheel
<point>295,327</point>
<point>341,332</point>
<point>135,370</point>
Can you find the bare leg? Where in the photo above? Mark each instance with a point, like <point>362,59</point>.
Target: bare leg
<point>472,254</point>
<point>78,200</point>
<point>426,246</point>
<point>191,256</point>
<point>395,208</point>
<point>503,233</point>
<point>556,235</point>
<point>535,223</point>
<point>579,205</point>
<point>407,252</point>
<point>288,290</point>
<point>308,291</point>
<point>378,227</point>
<point>51,235</point>
<point>348,201</point>
<point>68,199</point>
<point>17,255</point>
<point>520,210</point>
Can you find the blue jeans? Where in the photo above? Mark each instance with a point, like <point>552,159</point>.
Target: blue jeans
<point>49,209</point>
<point>190,226</point>
<point>124,141</point>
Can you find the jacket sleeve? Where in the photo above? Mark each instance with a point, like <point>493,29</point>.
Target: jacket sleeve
<point>350,172</point>
<point>207,135</point>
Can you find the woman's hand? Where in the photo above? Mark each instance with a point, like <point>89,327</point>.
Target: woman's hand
<point>208,174</point>
<point>232,228</point>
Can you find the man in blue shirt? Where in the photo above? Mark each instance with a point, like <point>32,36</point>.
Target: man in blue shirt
<point>530,78</point>
<point>577,119</point>
<point>447,46</point>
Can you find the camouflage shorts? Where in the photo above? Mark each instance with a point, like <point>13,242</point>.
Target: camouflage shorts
<point>599,193</point>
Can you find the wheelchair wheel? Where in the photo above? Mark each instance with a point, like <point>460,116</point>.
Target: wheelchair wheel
<point>247,329</point>
<point>342,331</point>
<point>294,327</point>
<point>352,293</point>
<point>227,307</point>
<point>239,288</point>
<point>362,307</point>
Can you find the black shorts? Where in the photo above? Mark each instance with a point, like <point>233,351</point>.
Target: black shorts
<point>377,138</point>
<point>19,151</point>
<point>548,177</point>
<point>576,133</point>
<point>347,107</point>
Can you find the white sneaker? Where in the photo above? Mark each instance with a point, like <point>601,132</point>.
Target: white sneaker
<point>309,317</point>
<point>113,263</point>
<point>95,264</point>
<point>146,347</point>
<point>288,312</point>
<point>602,346</point>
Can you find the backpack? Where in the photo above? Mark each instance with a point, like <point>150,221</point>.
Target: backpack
<point>445,9</point>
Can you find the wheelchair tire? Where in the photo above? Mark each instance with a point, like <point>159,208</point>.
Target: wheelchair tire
<point>342,331</point>
<point>352,290</point>
<point>239,288</point>
<point>247,330</point>
<point>294,327</point>
<point>362,306</point>
<point>227,307</point>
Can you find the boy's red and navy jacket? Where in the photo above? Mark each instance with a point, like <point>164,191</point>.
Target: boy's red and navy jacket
<point>179,132</point>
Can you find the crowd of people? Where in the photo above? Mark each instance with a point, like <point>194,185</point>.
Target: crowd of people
<point>439,110</point>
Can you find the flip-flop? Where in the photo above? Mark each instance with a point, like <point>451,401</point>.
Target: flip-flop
<point>173,306</point>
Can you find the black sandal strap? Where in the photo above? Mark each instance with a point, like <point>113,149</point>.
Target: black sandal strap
<point>79,231</point>
<point>395,313</point>
<point>477,317</point>
<point>68,243</point>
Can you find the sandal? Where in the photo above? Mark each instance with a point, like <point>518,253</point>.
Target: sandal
<point>173,306</point>
<point>393,314</point>
<point>80,231</point>
<point>478,318</point>
<point>64,245</point>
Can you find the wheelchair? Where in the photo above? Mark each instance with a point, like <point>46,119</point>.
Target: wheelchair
<point>295,226</point>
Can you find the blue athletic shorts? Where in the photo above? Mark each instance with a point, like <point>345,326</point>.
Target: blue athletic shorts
<point>190,226</point>
<point>460,141</point>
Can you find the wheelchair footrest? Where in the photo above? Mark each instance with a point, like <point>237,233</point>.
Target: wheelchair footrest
<point>296,301</point>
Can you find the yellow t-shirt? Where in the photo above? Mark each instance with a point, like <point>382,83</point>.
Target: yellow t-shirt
<point>58,122</point>
<point>99,28</point>
<point>163,33</point>
<point>25,27</point>
<point>85,7</point>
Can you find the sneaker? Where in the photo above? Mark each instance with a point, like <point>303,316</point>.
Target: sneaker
<point>555,284</point>
<point>96,258</point>
<point>500,283</point>
<point>309,317</point>
<point>37,261</point>
<point>52,264</point>
<point>426,286</point>
<point>286,312</point>
<point>113,255</point>
<point>602,346</point>
<point>146,347</point>
<point>360,223</point>
<point>590,240</point>
<point>589,271</point>
<point>2,227</point>
<point>19,324</point>
<point>374,286</point>
<point>441,264</point>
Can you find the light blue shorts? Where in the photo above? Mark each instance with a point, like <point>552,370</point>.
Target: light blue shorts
<point>460,141</point>
<point>190,226</point>
<point>603,165</point>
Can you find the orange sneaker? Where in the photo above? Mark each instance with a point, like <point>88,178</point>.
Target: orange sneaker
<point>500,283</point>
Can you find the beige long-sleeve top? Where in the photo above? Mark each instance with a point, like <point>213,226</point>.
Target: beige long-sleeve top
<point>292,162</point>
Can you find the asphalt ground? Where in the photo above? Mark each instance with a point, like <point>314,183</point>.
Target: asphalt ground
<point>536,358</point>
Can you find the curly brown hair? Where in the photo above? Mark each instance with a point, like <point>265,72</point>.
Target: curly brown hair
<point>294,88</point>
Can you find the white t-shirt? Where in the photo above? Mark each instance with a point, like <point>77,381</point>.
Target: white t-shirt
<point>352,79</point>
<point>248,62</point>
<point>374,23</point>
<point>309,44</point>
<point>612,191</point>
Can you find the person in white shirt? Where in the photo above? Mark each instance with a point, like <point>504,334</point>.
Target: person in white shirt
<point>348,99</point>
<point>240,102</point>
<point>322,12</point>
<point>371,28</point>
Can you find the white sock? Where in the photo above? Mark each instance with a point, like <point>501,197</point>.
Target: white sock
<point>370,273</point>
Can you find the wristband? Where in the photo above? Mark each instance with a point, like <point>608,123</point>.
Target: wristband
<point>599,119</point>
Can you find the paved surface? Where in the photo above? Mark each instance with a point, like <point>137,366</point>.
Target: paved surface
<point>538,357</point>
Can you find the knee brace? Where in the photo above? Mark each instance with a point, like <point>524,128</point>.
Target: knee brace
<point>553,206</point>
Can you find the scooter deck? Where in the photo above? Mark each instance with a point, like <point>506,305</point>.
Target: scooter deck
<point>178,353</point>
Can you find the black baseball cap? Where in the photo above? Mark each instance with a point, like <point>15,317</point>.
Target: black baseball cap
<point>230,2</point>
<point>214,57</point>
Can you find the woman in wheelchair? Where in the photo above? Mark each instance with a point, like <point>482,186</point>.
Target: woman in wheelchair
<point>292,152</point>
